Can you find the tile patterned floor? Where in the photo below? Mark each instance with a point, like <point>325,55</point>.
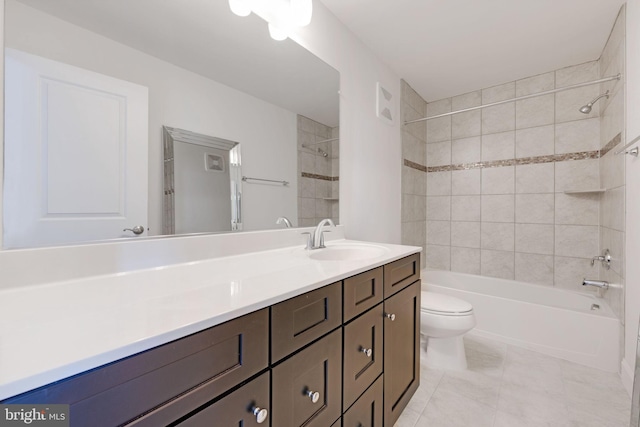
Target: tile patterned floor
<point>507,386</point>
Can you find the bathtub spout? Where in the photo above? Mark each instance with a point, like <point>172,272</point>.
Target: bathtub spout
<point>597,283</point>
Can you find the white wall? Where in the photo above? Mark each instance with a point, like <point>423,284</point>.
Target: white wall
<point>632,297</point>
<point>370,150</point>
<point>181,99</point>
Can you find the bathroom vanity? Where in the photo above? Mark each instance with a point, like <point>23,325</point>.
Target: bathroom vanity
<point>344,353</point>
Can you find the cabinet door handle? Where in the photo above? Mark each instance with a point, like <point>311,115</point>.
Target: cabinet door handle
<point>367,351</point>
<point>390,316</point>
<point>314,396</point>
<point>260,413</point>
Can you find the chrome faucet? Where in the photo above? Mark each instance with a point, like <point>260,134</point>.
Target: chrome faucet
<point>601,284</point>
<point>317,241</point>
<point>284,220</point>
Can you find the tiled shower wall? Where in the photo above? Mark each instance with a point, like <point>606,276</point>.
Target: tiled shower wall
<point>499,181</point>
<point>612,166</point>
<point>414,182</point>
<point>317,174</point>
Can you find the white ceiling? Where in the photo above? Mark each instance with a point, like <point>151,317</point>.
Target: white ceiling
<point>444,48</point>
<point>203,36</point>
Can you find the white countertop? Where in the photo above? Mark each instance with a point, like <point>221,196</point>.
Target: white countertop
<point>53,331</point>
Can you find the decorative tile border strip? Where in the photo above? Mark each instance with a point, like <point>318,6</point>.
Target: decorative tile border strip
<point>322,177</point>
<point>611,144</point>
<point>582,155</point>
<point>414,165</point>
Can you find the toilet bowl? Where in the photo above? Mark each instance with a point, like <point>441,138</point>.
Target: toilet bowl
<point>444,320</point>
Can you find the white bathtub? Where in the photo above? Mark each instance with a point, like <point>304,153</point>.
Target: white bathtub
<point>553,321</point>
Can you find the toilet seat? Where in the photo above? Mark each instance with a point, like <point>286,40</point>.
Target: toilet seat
<point>444,305</point>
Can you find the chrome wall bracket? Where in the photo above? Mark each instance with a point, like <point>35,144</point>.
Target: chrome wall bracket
<point>633,152</point>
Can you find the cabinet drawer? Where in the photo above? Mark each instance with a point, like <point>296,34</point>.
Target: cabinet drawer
<point>401,273</point>
<point>300,320</point>
<point>248,406</point>
<point>316,369</point>
<point>205,364</point>
<point>367,411</point>
<point>360,370</point>
<point>362,292</point>
<point>401,350</point>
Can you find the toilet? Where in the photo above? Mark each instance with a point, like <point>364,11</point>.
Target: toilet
<point>444,320</point>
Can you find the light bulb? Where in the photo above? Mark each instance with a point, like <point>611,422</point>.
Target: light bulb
<point>301,11</point>
<point>240,7</point>
<point>276,33</point>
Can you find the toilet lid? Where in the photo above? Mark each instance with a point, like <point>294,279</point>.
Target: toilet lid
<point>440,303</point>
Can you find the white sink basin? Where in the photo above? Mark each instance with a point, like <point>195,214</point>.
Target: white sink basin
<point>348,252</point>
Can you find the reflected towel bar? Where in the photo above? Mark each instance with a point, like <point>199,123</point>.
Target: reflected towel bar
<point>246,178</point>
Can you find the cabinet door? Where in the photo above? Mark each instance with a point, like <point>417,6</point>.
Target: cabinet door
<point>298,321</point>
<point>401,350</point>
<point>248,407</point>
<point>362,354</point>
<point>316,369</point>
<point>367,411</point>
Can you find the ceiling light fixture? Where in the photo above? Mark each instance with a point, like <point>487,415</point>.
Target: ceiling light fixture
<point>240,7</point>
<point>283,16</point>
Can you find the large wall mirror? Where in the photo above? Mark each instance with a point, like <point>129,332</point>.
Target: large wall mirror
<point>92,87</point>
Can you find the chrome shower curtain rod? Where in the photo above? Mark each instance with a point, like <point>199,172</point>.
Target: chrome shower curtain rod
<point>606,79</point>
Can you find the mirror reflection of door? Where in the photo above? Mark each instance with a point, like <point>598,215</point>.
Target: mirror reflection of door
<point>75,154</point>
<point>202,183</point>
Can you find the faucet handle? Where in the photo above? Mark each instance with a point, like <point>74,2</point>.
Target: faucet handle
<point>309,242</point>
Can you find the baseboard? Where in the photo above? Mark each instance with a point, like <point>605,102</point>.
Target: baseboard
<point>626,375</point>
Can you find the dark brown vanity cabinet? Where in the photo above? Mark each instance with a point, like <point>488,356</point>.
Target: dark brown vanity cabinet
<point>381,343</point>
<point>346,354</point>
<point>401,350</point>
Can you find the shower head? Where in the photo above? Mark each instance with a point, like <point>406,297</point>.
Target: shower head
<point>586,109</point>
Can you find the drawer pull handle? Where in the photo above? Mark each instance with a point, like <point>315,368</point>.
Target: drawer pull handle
<point>314,396</point>
<point>391,316</point>
<point>367,351</point>
<point>260,413</point>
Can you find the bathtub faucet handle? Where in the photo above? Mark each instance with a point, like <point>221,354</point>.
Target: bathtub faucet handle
<point>605,259</point>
